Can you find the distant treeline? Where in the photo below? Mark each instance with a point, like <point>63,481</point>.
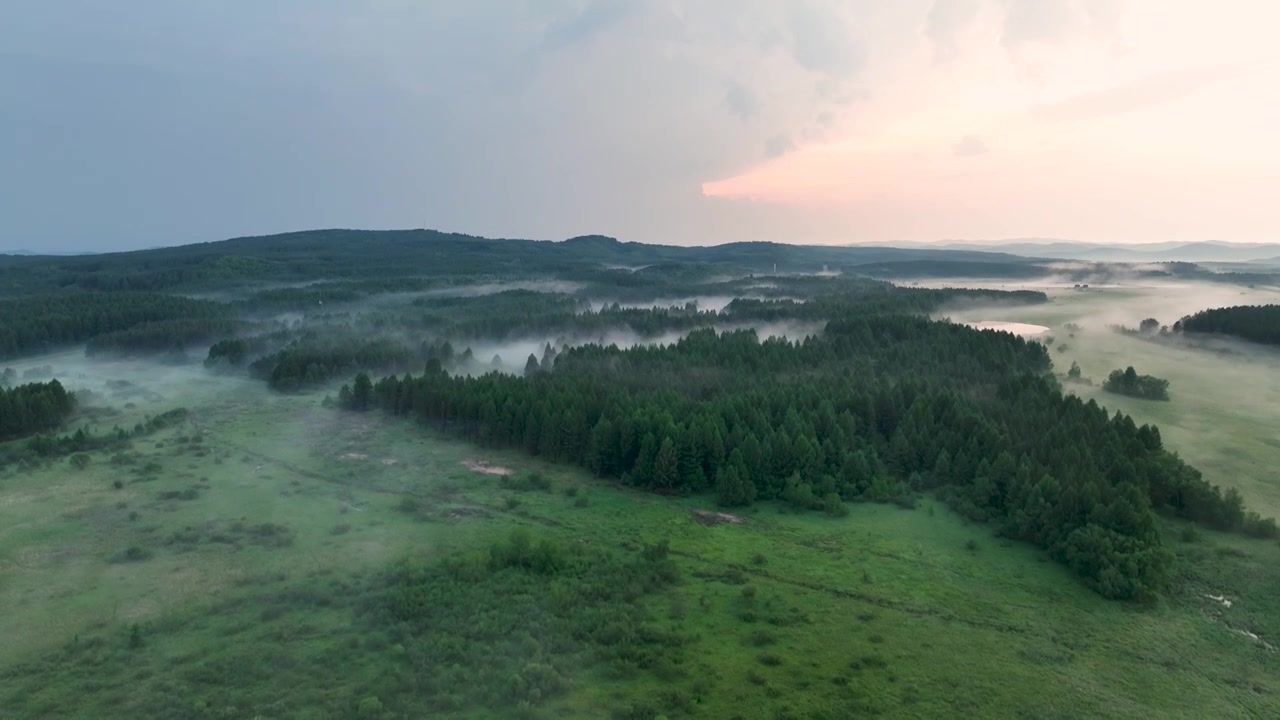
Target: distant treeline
<point>37,407</point>
<point>38,324</point>
<point>1129,382</point>
<point>1255,323</point>
<point>161,336</point>
<point>952,269</point>
<point>878,407</point>
<point>303,364</point>
<point>360,255</point>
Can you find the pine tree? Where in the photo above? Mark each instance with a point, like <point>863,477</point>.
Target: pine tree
<point>362,392</point>
<point>666,466</point>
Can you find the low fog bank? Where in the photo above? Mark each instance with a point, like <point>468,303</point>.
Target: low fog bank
<point>1017,328</point>
<point>566,287</point>
<point>148,385</point>
<point>713,303</point>
<point>512,355</point>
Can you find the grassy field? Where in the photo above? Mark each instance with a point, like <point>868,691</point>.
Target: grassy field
<point>239,569</point>
<point>1224,416</point>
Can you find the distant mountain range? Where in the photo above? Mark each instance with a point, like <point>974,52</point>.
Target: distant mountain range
<point>1208,251</point>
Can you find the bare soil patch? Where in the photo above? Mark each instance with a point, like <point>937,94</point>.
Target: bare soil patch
<point>709,518</point>
<point>486,468</point>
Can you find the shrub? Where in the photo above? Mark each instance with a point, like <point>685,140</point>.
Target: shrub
<point>833,506</point>
<point>1257,526</point>
<point>770,660</point>
<point>526,483</point>
<point>370,707</point>
<point>971,545</point>
<point>133,553</point>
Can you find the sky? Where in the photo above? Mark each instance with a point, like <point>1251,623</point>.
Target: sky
<point>159,122</point>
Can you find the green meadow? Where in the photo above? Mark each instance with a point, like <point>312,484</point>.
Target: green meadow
<point>272,558</point>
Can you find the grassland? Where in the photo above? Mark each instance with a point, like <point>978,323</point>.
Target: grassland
<point>1225,407</point>
<point>237,570</point>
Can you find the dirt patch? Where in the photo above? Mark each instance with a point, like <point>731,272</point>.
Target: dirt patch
<point>1221,599</point>
<point>485,468</point>
<point>709,518</point>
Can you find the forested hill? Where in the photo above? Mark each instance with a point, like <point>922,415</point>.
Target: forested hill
<point>348,254</point>
<point>1255,323</point>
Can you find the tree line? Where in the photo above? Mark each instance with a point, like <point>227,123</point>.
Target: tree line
<point>36,324</point>
<point>160,336</point>
<point>33,408</point>
<point>879,407</point>
<point>1255,323</point>
<point>304,364</point>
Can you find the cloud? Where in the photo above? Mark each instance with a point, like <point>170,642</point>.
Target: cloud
<point>741,101</point>
<point>778,145</point>
<point>945,19</point>
<point>822,41</point>
<point>1129,96</point>
<point>597,17</point>
<point>970,146</point>
<point>1038,21</point>
<point>1040,35</point>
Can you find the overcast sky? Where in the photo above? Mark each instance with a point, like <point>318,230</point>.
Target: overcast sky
<point>157,122</point>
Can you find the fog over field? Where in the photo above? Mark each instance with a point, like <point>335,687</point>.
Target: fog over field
<point>1226,393</point>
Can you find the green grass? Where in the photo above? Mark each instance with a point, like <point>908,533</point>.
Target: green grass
<point>1224,406</point>
<point>259,594</point>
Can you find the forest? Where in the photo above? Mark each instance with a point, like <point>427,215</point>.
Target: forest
<point>1255,323</point>
<point>33,408</point>
<point>881,406</point>
<point>40,323</point>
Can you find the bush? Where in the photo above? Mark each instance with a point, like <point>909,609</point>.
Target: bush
<point>133,553</point>
<point>370,707</point>
<point>1129,382</point>
<point>1257,526</point>
<point>770,660</point>
<point>971,545</point>
<point>526,483</point>
<point>1189,534</point>
<point>833,506</point>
